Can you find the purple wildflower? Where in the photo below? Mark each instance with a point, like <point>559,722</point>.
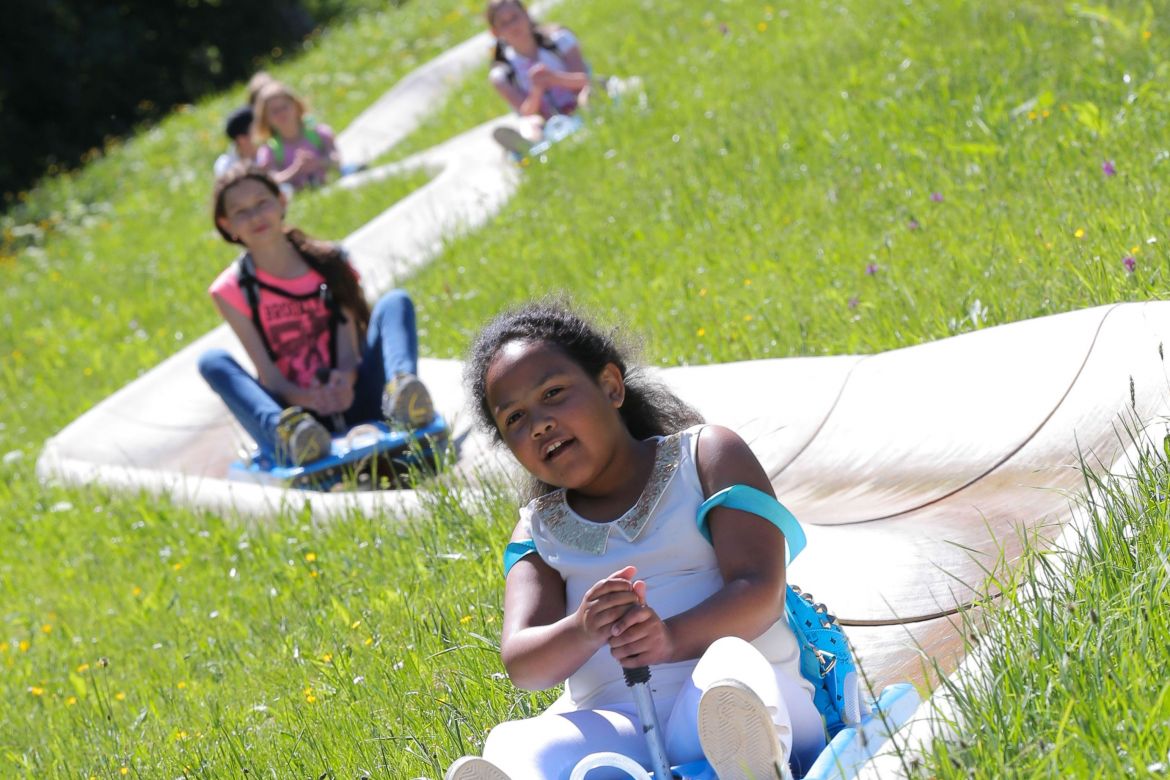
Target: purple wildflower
<point>937,197</point>
<point>913,224</point>
<point>872,269</point>
<point>1130,263</point>
<point>1108,169</point>
<point>854,301</point>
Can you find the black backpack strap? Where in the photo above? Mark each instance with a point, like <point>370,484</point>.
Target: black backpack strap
<point>246,273</point>
<point>336,320</point>
<point>252,285</point>
<point>500,58</point>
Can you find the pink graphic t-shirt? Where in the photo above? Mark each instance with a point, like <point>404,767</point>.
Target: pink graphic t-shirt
<point>297,330</point>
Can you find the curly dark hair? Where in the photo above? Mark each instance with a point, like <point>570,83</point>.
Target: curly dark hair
<point>649,409</point>
<point>324,257</point>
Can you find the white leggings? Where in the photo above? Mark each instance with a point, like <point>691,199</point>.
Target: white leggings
<point>550,745</point>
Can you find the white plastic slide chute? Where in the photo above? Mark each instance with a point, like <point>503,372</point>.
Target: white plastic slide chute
<point>913,471</point>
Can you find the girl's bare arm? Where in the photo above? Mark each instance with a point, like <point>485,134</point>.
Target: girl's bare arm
<point>509,91</point>
<point>541,645</point>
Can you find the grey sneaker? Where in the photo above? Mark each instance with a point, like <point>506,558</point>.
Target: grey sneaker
<point>300,437</point>
<point>473,768</point>
<point>406,402</point>
<point>511,140</point>
<point>738,735</point>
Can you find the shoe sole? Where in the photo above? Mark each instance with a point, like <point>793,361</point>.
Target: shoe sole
<point>413,407</point>
<point>474,769</point>
<point>512,140</point>
<point>737,734</point>
<point>310,444</point>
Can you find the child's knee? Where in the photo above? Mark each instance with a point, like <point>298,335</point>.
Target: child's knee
<point>214,363</point>
<point>395,302</point>
<point>504,740</point>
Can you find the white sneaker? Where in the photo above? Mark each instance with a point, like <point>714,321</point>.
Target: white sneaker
<point>474,768</point>
<point>738,735</point>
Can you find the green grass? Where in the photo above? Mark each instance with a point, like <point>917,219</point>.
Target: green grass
<point>1091,699</point>
<point>773,198</point>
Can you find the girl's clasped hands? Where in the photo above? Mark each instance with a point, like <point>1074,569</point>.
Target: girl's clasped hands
<point>615,611</point>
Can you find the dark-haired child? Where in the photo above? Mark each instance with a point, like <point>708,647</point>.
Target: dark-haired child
<point>238,129</point>
<point>610,567</point>
<point>319,351</point>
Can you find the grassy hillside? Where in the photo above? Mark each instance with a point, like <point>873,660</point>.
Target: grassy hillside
<point>807,178</point>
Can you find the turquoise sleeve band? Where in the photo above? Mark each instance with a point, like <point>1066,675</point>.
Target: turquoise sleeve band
<point>515,551</point>
<point>748,499</point>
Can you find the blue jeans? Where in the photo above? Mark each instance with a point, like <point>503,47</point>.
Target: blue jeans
<point>391,348</point>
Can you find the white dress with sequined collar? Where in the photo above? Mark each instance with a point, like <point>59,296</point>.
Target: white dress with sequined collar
<point>659,535</point>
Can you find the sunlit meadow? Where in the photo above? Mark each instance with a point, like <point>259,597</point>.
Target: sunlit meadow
<point>799,179</point>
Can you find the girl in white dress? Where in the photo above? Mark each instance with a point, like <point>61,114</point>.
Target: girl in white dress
<point>609,567</point>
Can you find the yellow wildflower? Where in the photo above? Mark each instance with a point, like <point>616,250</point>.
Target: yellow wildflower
<point>327,658</point>
<point>355,624</point>
<point>177,566</point>
<point>46,629</point>
<point>369,641</point>
<point>119,696</point>
<point>71,701</point>
<point>137,591</point>
<point>703,293</point>
<point>36,690</point>
<point>701,332</point>
<point>310,557</point>
<point>24,645</point>
<point>762,26</point>
<point>83,668</point>
<point>181,685</point>
<point>747,318</point>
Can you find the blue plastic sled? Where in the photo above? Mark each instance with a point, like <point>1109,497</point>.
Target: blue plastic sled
<point>845,754</point>
<point>370,456</point>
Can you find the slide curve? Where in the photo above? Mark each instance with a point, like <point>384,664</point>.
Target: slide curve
<point>914,471</point>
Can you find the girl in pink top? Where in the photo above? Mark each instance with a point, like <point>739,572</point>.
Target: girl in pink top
<point>294,148</point>
<point>322,357</point>
<point>612,566</point>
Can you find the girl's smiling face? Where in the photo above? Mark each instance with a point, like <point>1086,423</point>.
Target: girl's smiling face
<point>512,25</point>
<point>561,424</point>
<point>251,212</point>
<point>283,116</point>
